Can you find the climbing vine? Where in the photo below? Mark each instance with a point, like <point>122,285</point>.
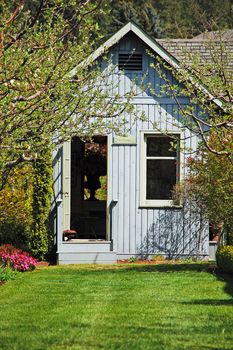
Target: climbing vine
<point>42,190</point>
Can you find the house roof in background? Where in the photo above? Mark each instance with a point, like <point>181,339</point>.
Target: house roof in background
<point>201,45</point>
<point>226,35</point>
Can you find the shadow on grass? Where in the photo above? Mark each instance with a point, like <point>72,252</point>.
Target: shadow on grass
<point>192,267</point>
<point>228,279</point>
<point>211,302</point>
<point>169,268</point>
<point>208,267</point>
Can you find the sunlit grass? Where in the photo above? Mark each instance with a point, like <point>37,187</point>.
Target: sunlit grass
<point>117,307</point>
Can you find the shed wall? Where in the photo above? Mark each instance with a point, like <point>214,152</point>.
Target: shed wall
<point>148,231</point>
<point>133,229</point>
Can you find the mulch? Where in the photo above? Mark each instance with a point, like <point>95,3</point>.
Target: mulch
<point>42,263</point>
<point>152,262</point>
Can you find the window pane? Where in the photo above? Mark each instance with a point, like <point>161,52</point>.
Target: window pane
<point>160,147</point>
<point>161,177</point>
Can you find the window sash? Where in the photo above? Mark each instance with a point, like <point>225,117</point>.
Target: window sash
<point>144,202</point>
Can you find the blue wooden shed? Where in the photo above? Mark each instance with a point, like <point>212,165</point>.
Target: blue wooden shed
<point>114,191</point>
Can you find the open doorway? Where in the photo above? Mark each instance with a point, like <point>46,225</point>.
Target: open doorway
<point>89,187</point>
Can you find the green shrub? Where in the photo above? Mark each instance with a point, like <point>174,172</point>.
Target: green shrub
<point>40,237</point>
<point>224,258</point>
<point>16,207</point>
<point>6,274</point>
<point>14,232</point>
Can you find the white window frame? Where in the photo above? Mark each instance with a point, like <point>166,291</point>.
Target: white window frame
<point>143,159</point>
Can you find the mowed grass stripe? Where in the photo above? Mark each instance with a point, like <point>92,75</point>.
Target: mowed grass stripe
<point>117,307</point>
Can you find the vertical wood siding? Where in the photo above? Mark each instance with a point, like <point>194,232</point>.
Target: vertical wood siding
<point>137,230</point>
<point>149,231</point>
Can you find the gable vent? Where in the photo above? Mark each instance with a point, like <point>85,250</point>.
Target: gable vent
<point>130,61</point>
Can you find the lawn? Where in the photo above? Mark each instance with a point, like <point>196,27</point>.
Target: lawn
<point>117,307</point>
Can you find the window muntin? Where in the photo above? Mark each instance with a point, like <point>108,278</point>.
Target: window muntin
<point>161,169</point>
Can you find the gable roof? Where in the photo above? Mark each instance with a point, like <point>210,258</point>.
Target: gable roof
<point>153,44</point>
<point>131,27</point>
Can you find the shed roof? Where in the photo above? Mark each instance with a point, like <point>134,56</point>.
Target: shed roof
<point>171,51</point>
<point>154,45</point>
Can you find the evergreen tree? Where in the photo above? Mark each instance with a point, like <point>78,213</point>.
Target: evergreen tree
<point>185,19</point>
<point>142,13</point>
<point>169,18</point>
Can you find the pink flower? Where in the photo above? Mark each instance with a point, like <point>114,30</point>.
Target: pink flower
<point>16,258</point>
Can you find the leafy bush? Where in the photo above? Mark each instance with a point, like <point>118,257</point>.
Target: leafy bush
<point>209,186</point>
<point>6,274</point>
<point>14,232</point>
<point>16,258</point>
<point>224,258</point>
<point>16,207</point>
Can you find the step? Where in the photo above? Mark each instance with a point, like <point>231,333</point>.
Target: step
<point>86,258</point>
<point>87,245</point>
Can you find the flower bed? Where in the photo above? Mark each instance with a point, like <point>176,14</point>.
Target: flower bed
<point>17,259</point>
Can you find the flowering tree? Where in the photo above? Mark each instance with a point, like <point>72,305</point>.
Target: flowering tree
<point>41,42</point>
<point>208,85</point>
<point>209,186</point>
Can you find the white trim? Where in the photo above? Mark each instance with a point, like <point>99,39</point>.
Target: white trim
<point>103,48</point>
<point>109,195</point>
<point>155,46</point>
<point>142,184</point>
<point>152,44</point>
<point>66,184</point>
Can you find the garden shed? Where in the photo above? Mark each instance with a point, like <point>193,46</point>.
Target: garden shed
<point>113,194</point>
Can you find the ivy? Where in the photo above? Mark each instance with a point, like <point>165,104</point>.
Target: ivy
<point>41,202</point>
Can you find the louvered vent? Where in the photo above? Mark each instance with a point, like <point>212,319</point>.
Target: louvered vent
<point>130,61</point>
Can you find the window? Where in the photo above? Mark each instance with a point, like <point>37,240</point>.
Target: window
<point>160,169</point>
<point>130,61</point>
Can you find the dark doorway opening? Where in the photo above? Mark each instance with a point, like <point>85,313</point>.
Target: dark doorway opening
<point>89,187</point>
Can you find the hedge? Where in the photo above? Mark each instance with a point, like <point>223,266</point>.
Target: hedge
<point>224,258</point>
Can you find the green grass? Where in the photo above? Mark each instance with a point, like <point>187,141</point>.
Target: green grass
<point>7,274</point>
<point>123,307</point>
